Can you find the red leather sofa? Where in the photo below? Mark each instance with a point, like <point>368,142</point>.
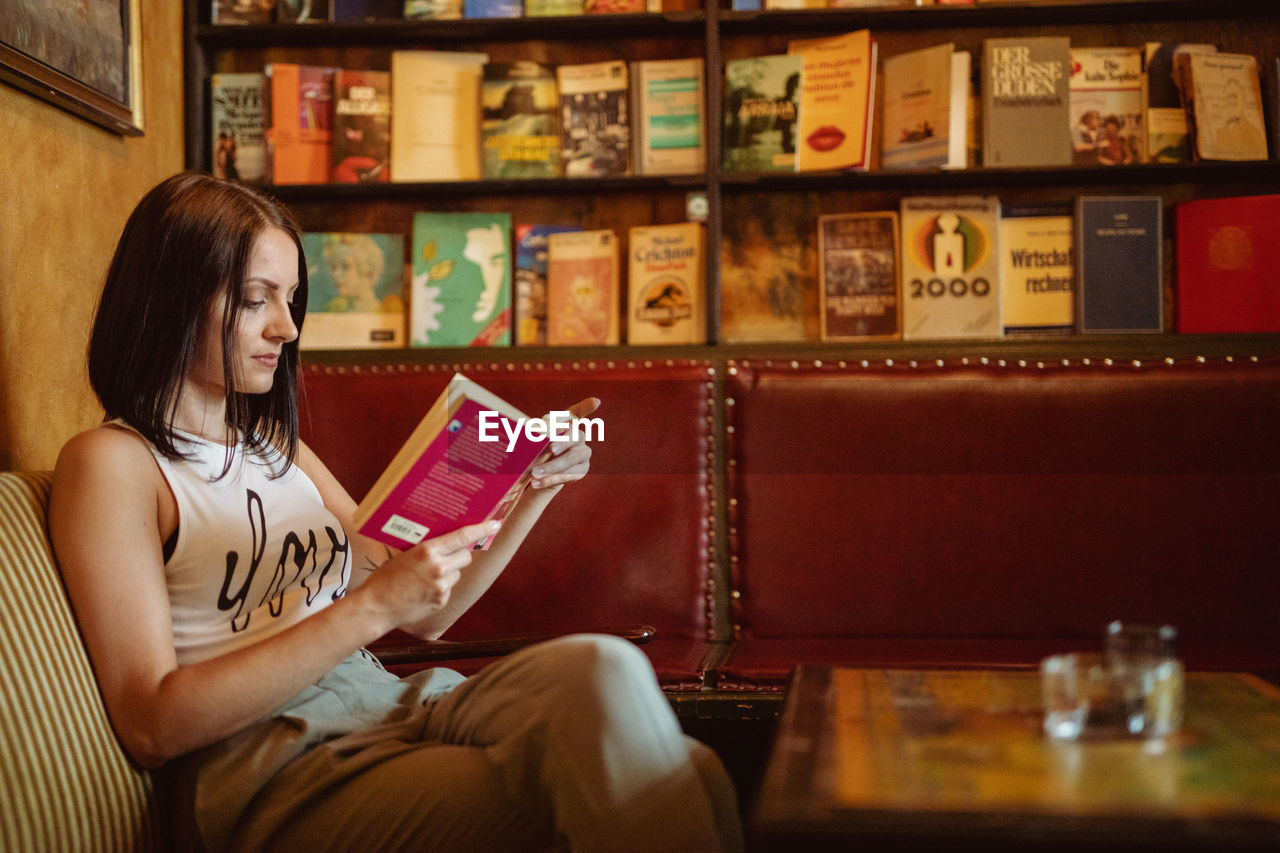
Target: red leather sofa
<point>631,543</point>
<point>931,512</point>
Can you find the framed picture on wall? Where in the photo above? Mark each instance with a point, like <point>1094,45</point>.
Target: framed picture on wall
<point>84,56</point>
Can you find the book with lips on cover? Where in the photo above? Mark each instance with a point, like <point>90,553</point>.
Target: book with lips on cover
<point>837,101</point>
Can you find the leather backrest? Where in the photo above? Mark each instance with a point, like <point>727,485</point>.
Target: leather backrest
<point>1006,499</point>
<point>631,543</point>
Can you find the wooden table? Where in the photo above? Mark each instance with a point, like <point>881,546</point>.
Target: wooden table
<point>898,759</point>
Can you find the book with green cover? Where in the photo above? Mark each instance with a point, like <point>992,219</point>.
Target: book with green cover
<point>460,293</point>
<point>761,112</point>
<point>520,122</point>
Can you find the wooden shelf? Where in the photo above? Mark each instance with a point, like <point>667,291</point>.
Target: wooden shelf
<point>1251,25</point>
<point>942,179</point>
<point>443,32</point>
<point>1042,13</point>
<point>1029,348</point>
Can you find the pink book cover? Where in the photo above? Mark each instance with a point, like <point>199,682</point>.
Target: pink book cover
<point>458,480</point>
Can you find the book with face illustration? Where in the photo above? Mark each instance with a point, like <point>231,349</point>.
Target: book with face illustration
<point>355,291</point>
<point>460,292</point>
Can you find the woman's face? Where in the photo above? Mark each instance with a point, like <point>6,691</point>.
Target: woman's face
<point>265,323</point>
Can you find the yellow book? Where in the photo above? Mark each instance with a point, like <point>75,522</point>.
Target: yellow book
<point>664,285</point>
<point>1037,280</point>
<point>435,104</point>
<point>836,101</point>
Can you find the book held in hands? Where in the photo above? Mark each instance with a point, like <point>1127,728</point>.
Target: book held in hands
<point>468,460</point>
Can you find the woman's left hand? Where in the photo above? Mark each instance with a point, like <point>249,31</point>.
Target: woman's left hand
<point>569,460</point>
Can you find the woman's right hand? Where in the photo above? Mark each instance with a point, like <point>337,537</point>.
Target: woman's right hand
<point>417,583</point>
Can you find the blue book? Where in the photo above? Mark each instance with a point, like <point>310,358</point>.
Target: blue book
<point>1119,275</point>
<point>530,321</point>
<point>367,10</point>
<point>493,8</point>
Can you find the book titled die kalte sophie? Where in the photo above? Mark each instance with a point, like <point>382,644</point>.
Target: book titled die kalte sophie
<point>468,460</point>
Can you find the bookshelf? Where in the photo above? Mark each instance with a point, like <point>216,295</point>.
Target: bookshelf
<point>718,34</point>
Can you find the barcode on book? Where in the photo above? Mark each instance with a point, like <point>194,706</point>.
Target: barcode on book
<point>403,528</point>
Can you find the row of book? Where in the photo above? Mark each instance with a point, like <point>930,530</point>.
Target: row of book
<point>963,267</point>
<point>937,267</point>
<point>1033,101</point>
<point>474,281</point>
<point>309,11</point>
<point>452,115</point>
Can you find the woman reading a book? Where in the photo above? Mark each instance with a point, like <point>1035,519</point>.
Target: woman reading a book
<point>225,599</point>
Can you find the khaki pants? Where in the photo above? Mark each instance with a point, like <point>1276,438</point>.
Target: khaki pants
<point>567,744</point>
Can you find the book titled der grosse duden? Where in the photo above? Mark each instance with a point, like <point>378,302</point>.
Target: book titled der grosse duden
<point>1037,280</point>
<point>467,461</point>
<point>1026,101</point>
<point>950,267</point>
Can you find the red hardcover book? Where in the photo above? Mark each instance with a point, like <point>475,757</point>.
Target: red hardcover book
<point>361,126</point>
<point>1228,263</point>
<point>467,461</point>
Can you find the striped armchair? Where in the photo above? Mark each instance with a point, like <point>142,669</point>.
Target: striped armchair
<point>65,783</point>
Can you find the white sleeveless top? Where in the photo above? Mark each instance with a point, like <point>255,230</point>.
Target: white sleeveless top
<point>254,555</point>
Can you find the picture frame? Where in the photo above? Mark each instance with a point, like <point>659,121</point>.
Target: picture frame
<point>84,56</point>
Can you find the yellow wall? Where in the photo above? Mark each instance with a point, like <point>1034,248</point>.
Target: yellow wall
<point>66,187</point>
